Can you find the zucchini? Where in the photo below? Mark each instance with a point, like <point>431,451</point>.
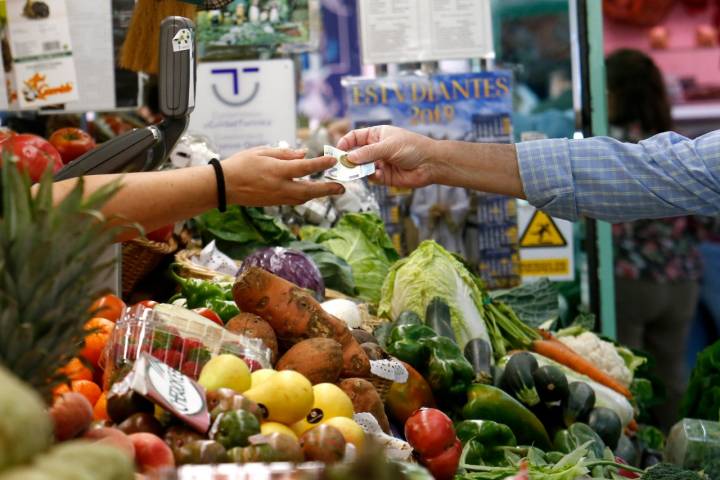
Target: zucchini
<point>437,317</point>
<point>579,403</point>
<point>607,425</point>
<point>550,415</point>
<point>627,450</point>
<point>518,378</point>
<point>479,353</point>
<point>382,332</point>
<point>408,317</point>
<point>551,384</point>
<point>489,403</point>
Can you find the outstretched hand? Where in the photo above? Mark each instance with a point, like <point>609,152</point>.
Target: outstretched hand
<point>402,158</point>
<point>265,176</point>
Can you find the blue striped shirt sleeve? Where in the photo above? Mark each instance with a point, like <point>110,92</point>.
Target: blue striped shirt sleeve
<point>666,175</point>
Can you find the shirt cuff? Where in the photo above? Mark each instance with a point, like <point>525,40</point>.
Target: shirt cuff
<point>547,177</point>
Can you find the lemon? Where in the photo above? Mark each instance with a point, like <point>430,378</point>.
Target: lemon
<point>284,397</point>
<point>352,432</point>
<point>259,376</point>
<point>225,371</point>
<point>274,427</point>
<point>330,401</point>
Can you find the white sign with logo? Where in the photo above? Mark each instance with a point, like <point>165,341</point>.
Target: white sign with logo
<point>546,245</point>
<point>243,104</point>
<point>421,30</point>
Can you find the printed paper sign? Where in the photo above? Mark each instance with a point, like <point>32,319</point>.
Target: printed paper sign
<point>245,104</point>
<point>41,49</point>
<point>546,245</point>
<point>404,31</point>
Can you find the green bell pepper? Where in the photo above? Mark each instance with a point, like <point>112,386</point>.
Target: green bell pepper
<point>234,428</point>
<point>447,368</point>
<point>404,343</point>
<point>486,439</point>
<point>217,296</point>
<point>563,442</point>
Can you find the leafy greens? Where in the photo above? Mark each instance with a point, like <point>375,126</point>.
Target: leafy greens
<point>359,239</point>
<point>429,272</point>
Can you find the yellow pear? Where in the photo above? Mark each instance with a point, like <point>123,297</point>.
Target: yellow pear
<point>225,371</point>
<point>330,401</point>
<point>284,397</point>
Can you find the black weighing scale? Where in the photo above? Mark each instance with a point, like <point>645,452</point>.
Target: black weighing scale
<point>146,149</point>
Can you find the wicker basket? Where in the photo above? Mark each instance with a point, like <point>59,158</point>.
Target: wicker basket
<point>188,269</point>
<point>140,257</point>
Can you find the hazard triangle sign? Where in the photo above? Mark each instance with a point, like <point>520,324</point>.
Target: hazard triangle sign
<point>542,232</point>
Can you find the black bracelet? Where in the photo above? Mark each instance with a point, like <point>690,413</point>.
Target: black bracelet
<point>220,177</point>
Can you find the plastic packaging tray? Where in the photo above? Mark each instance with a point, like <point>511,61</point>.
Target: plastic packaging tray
<point>179,337</point>
<point>693,442</point>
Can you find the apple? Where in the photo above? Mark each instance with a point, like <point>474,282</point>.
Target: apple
<point>162,234</point>
<point>31,153</point>
<point>71,143</point>
<point>659,38</point>
<point>151,452</point>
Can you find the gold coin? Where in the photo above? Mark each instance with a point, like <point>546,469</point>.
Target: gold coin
<point>345,162</point>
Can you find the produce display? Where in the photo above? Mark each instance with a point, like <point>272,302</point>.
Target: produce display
<point>326,356</point>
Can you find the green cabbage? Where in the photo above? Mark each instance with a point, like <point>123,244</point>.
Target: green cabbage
<point>359,239</point>
<point>429,272</point>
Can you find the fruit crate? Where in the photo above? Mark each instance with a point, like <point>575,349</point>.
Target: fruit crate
<point>179,337</point>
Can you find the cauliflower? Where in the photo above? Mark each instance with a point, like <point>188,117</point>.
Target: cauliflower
<point>601,353</point>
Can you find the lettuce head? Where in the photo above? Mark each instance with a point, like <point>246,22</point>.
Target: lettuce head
<point>429,272</point>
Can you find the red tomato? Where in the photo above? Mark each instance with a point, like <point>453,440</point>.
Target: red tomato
<point>444,465</point>
<point>146,303</point>
<point>210,315</point>
<point>109,307</point>
<point>162,234</point>
<point>71,143</point>
<point>33,154</point>
<point>625,473</point>
<point>429,431</point>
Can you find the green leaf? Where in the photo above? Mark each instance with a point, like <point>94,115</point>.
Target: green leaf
<point>534,303</point>
<point>359,239</point>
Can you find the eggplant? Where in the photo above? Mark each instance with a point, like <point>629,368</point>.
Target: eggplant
<point>479,353</point>
<point>437,317</point>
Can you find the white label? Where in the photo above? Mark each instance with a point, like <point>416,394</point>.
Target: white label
<point>344,171</point>
<point>421,30</point>
<point>245,104</point>
<point>182,40</point>
<point>41,47</point>
<point>175,388</point>
<point>389,370</point>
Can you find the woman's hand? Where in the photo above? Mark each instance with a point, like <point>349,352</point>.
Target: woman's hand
<point>402,158</point>
<point>265,176</point>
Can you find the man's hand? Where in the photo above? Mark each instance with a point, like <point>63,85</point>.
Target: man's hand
<point>266,176</point>
<point>402,158</point>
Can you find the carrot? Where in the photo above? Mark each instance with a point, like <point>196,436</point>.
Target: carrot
<point>561,353</point>
<point>633,425</point>
<point>295,316</point>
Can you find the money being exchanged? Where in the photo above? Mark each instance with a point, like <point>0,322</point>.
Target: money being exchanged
<point>344,171</point>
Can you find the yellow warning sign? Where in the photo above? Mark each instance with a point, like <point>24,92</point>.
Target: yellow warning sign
<point>545,267</point>
<point>541,232</point>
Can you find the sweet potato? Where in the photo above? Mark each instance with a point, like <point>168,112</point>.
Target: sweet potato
<point>253,326</point>
<point>319,359</point>
<point>295,315</point>
<point>365,398</point>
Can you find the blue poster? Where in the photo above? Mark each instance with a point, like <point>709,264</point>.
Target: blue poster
<point>473,107</point>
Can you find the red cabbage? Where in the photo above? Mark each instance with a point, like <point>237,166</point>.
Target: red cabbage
<point>292,265</point>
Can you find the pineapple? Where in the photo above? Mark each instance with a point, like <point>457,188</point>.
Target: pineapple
<point>48,266</point>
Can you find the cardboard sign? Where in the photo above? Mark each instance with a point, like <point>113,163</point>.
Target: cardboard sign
<point>245,104</point>
<point>41,48</point>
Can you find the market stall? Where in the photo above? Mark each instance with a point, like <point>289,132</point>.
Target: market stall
<point>319,340</point>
